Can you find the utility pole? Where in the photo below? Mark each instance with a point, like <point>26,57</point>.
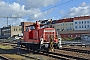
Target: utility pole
<point>9,17</point>
<point>7,21</point>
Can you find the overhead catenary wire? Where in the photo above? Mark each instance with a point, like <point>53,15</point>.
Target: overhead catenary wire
<point>53,7</point>
<point>57,5</point>
<point>63,16</point>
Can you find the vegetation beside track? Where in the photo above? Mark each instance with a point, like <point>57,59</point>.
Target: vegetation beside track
<point>5,47</point>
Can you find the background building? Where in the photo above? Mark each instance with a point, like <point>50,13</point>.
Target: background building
<point>64,24</point>
<point>77,27</point>
<point>82,23</point>
<point>11,31</point>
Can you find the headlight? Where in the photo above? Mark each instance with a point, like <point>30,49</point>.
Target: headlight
<point>59,39</point>
<point>46,45</point>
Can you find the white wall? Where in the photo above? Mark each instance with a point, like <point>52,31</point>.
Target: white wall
<point>81,24</point>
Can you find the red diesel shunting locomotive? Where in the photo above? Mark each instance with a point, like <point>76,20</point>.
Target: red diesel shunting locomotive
<point>40,38</point>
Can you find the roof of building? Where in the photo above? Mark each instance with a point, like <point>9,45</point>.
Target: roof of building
<point>71,19</point>
<point>81,17</point>
<point>65,20</point>
<point>27,22</point>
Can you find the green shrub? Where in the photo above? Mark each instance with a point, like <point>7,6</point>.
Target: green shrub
<point>78,38</point>
<point>68,38</point>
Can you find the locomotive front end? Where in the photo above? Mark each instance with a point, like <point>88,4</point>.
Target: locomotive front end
<point>49,39</point>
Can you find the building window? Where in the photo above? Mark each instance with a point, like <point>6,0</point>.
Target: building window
<point>20,29</point>
<point>61,24</point>
<point>88,26</point>
<point>76,27</point>
<point>14,29</point>
<point>79,26</point>
<point>82,22</point>
<point>75,22</point>
<point>79,22</point>
<point>85,26</point>
<point>82,26</point>
<point>87,21</point>
<point>72,23</point>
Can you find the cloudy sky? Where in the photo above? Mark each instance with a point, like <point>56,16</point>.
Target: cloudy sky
<point>32,10</point>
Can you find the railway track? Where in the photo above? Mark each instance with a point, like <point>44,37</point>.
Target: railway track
<point>72,54</point>
<point>53,55</point>
<point>76,50</point>
<point>56,56</point>
<point>61,56</point>
<point>3,58</point>
<point>66,53</point>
